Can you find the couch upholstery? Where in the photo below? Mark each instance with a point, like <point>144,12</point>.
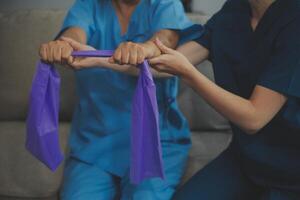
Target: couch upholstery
<point>23,177</point>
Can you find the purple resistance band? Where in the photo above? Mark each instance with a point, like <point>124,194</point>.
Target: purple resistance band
<point>42,121</point>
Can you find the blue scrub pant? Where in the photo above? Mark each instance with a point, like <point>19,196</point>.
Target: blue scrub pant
<point>83,181</point>
<point>223,179</point>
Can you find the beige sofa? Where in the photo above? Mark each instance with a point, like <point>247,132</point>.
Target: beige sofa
<point>22,176</point>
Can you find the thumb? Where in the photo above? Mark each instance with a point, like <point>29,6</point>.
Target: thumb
<point>74,44</point>
<point>164,49</point>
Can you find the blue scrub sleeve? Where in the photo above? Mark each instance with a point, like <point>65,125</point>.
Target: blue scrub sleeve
<point>283,72</point>
<point>81,15</point>
<point>169,14</point>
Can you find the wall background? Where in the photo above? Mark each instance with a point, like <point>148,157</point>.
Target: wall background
<point>207,6</point>
<point>204,6</point>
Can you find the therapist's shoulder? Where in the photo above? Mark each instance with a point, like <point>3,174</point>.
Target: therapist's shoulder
<point>233,6</point>
<point>229,10</point>
<point>289,23</point>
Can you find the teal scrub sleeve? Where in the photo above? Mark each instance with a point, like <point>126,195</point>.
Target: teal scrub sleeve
<point>169,14</point>
<point>283,72</point>
<point>81,15</point>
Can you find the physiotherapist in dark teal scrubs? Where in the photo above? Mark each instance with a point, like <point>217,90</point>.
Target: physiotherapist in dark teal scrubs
<point>255,50</point>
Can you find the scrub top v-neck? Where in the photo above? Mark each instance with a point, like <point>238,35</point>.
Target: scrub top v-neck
<point>268,56</point>
<point>100,132</point>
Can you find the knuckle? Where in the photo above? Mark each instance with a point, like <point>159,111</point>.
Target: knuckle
<point>43,46</point>
<point>138,46</point>
<point>51,43</point>
<point>141,49</point>
<point>116,56</point>
<point>121,45</point>
<point>64,56</point>
<point>68,47</point>
<point>57,59</point>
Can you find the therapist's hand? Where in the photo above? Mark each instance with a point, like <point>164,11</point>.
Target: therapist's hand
<point>130,53</point>
<point>56,52</point>
<point>171,61</point>
<point>81,62</point>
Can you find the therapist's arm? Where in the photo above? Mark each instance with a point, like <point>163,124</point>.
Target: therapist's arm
<point>59,51</point>
<point>251,114</point>
<point>194,52</point>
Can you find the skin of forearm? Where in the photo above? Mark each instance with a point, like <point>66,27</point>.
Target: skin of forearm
<point>194,52</point>
<point>238,110</point>
<point>76,34</point>
<point>167,37</point>
<point>129,69</point>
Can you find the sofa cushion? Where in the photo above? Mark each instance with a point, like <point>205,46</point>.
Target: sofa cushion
<point>20,173</point>
<point>21,198</point>
<point>205,147</point>
<point>21,34</point>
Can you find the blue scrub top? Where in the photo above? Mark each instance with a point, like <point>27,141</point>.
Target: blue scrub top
<point>100,132</point>
<point>270,57</point>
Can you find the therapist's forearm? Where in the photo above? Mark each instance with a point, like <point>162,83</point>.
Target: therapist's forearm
<point>169,38</point>
<point>246,114</point>
<point>194,52</point>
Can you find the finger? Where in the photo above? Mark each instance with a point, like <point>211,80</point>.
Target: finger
<point>76,63</point>
<point>73,43</point>
<point>111,60</point>
<point>70,60</point>
<point>163,48</point>
<point>133,56</point>
<point>156,60</point>
<point>141,56</point>
<point>159,67</point>
<point>50,53</point>
<point>125,55</point>
<point>57,54</point>
<point>43,52</point>
<point>66,53</point>
<point>117,55</point>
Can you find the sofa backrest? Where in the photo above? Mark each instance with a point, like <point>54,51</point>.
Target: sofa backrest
<point>22,32</point>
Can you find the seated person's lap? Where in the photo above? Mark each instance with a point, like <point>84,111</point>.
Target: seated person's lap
<point>83,181</point>
<point>222,179</point>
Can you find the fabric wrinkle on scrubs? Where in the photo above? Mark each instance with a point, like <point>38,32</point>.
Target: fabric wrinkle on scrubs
<point>270,57</point>
<point>101,121</point>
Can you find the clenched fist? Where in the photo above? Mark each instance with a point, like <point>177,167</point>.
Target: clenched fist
<point>58,51</point>
<point>129,53</point>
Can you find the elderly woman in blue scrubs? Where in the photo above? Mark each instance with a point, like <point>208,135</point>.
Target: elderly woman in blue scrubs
<point>98,165</point>
<point>254,46</point>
